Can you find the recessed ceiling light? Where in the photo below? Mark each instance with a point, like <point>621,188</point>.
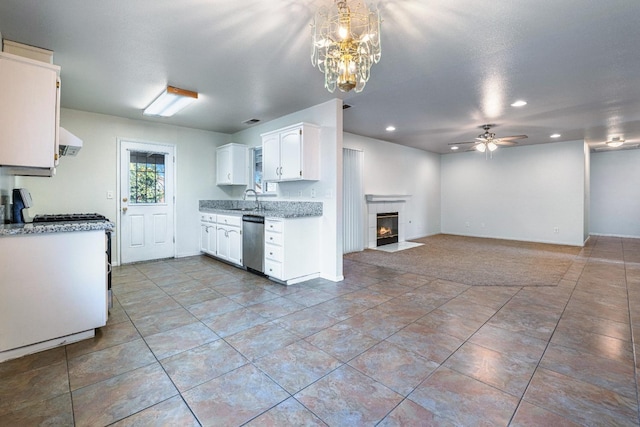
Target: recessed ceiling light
<point>615,142</point>
<point>455,147</point>
<point>519,103</point>
<point>390,128</point>
<point>555,135</point>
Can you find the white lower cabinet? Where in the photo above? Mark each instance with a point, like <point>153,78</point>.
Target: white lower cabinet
<point>291,249</point>
<point>208,233</point>
<point>229,238</point>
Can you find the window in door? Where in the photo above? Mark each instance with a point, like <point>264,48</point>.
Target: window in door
<point>147,178</point>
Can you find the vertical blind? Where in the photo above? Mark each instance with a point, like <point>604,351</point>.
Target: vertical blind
<point>353,199</point>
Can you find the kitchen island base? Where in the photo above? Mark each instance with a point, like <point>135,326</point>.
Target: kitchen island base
<point>53,290</point>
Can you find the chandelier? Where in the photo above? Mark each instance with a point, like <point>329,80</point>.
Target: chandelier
<point>346,43</point>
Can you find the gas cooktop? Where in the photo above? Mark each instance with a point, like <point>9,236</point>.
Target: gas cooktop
<point>70,217</point>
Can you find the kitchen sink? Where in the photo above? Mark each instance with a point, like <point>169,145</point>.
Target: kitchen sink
<point>246,209</point>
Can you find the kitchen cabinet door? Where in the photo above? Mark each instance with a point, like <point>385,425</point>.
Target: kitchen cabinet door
<point>232,166</point>
<point>271,157</point>
<point>290,154</point>
<point>29,113</point>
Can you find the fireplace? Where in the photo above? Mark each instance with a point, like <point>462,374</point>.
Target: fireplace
<point>387,228</point>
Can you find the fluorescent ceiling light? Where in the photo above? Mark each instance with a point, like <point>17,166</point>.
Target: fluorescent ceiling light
<point>170,101</point>
<point>390,128</point>
<point>455,147</point>
<point>556,135</point>
<point>519,103</point>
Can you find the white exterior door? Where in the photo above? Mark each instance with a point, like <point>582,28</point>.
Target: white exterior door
<point>146,201</point>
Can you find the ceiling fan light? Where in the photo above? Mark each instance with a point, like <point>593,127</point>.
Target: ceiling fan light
<point>615,142</point>
<point>492,146</point>
<point>481,147</point>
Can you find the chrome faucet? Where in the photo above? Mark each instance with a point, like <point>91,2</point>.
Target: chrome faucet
<point>244,196</point>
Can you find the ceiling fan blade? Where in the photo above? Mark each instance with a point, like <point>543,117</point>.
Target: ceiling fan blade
<point>507,138</point>
<point>501,142</point>
<point>458,143</point>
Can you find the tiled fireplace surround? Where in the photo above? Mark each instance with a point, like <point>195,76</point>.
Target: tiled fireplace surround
<point>377,203</point>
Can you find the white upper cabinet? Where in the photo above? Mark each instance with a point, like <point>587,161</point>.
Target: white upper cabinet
<point>29,115</point>
<point>232,164</point>
<point>291,153</point>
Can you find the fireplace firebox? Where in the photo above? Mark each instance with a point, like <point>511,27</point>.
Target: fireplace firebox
<point>387,228</point>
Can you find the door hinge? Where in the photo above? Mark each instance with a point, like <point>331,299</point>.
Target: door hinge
<point>58,84</point>
<point>300,173</point>
<point>300,132</point>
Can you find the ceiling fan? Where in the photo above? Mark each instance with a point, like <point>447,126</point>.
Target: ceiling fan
<point>488,140</point>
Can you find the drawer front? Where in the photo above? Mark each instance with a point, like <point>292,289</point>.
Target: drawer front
<point>273,268</point>
<point>207,217</point>
<point>273,252</point>
<point>274,226</point>
<point>232,220</point>
<point>273,238</point>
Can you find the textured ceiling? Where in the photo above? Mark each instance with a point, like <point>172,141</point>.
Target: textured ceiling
<point>447,67</point>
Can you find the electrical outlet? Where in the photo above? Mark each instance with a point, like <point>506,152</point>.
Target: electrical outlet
<point>299,193</point>
<point>109,194</point>
<point>313,193</point>
<point>556,230</point>
<point>466,224</point>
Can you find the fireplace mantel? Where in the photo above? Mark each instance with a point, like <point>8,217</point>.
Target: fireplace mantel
<point>381,198</point>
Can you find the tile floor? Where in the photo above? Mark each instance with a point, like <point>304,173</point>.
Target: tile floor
<point>196,342</point>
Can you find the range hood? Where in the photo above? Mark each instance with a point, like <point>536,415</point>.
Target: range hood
<point>69,144</point>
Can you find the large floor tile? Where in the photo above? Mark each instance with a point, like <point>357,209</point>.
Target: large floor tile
<point>347,397</point>
<point>168,343</point>
<point>261,340</point>
<point>297,365</point>
<point>342,342</point>
<point>121,396</point>
<point>201,364</point>
<point>234,398</point>
<point>288,413</point>
<point>56,411</point>
<point>171,412</point>
<point>103,364</point>
<point>579,401</point>
<point>464,400</point>
<point>400,370</point>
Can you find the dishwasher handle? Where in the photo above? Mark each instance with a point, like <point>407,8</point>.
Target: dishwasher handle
<point>253,218</point>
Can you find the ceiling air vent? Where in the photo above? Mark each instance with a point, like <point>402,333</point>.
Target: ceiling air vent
<point>251,122</point>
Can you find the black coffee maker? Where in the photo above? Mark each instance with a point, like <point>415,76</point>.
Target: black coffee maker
<point>21,201</point>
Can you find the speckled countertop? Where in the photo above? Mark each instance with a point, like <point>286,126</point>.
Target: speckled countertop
<point>269,209</point>
<point>54,227</point>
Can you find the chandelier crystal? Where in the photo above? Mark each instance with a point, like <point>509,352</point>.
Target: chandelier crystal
<point>346,43</point>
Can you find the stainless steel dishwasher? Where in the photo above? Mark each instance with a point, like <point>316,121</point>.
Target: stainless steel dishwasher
<point>253,243</point>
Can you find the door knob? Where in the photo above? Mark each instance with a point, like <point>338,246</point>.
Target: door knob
<point>124,199</point>
<point>124,210</point>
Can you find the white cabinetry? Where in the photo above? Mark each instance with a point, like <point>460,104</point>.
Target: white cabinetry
<point>232,164</point>
<point>52,292</point>
<point>229,238</point>
<point>208,233</point>
<point>291,249</point>
<point>291,153</point>
<point>29,115</point>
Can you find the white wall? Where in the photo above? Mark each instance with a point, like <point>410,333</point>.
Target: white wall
<point>81,183</point>
<point>522,193</point>
<point>328,189</point>
<point>395,169</point>
<point>615,193</point>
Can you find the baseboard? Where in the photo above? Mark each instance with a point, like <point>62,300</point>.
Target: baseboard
<point>622,236</point>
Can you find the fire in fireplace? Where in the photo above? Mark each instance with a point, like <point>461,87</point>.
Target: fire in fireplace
<point>387,226</point>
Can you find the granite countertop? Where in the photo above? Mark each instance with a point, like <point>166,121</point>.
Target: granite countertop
<point>54,227</point>
<point>270,209</point>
